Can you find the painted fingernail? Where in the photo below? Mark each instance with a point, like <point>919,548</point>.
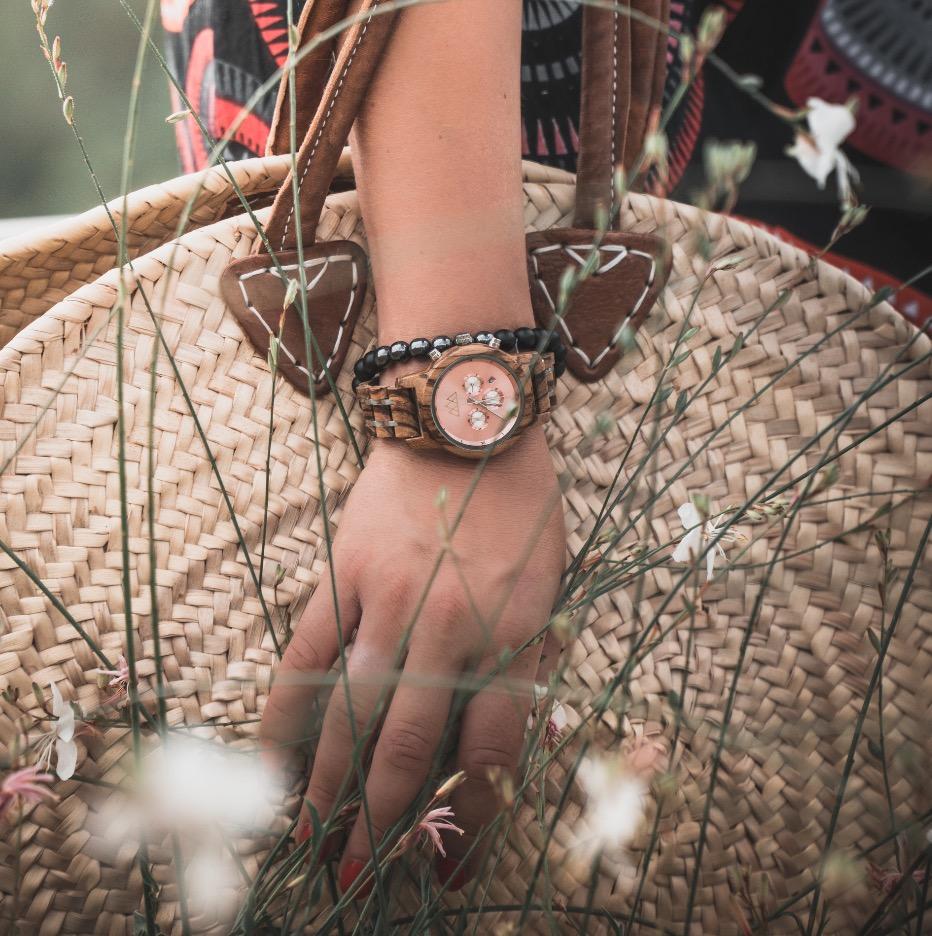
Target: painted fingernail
<point>451,873</point>
<point>351,871</point>
<point>303,832</point>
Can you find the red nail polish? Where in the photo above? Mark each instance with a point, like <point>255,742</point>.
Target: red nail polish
<point>351,871</point>
<point>303,832</point>
<point>451,873</point>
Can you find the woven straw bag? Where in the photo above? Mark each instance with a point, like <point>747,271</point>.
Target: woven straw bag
<point>813,342</point>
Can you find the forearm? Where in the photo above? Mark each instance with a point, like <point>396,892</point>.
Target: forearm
<point>436,152</point>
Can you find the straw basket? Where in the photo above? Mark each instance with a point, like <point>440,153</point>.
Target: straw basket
<point>794,616</point>
<point>807,663</point>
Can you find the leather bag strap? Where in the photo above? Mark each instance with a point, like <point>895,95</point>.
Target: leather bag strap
<point>310,76</point>
<point>623,71</point>
<point>320,150</point>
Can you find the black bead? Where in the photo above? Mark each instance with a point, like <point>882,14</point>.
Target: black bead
<point>555,341</point>
<point>399,351</point>
<point>559,368</point>
<point>442,342</point>
<point>382,355</point>
<point>527,339</point>
<point>356,382</point>
<point>560,354</point>
<point>484,337</point>
<point>507,338</point>
<point>361,371</point>
<point>419,347</point>
<point>372,365</point>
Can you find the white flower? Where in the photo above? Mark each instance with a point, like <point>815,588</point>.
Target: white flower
<point>61,738</point>
<point>698,536</point>
<point>615,802</point>
<point>556,722</point>
<point>192,784</point>
<point>818,150</point>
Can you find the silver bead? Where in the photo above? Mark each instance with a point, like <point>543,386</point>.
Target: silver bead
<point>495,344</point>
<point>462,338</point>
<point>434,354</point>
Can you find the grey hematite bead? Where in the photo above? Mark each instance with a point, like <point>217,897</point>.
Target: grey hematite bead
<point>399,351</point>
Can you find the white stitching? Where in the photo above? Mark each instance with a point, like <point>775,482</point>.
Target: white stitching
<point>611,180</point>
<point>326,261</point>
<point>571,251</point>
<point>320,131</point>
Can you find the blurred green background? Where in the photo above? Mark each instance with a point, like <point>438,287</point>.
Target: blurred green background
<point>41,169</point>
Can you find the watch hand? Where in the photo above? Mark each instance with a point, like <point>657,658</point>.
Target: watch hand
<point>483,405</point>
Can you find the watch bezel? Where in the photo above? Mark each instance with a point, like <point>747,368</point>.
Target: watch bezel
<point>482,355</point>
<point>422,383</point>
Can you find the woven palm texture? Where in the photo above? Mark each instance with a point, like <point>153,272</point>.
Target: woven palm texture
<point>808,658</point>
<point>39,270</point>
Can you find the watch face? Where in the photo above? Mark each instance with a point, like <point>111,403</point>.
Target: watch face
<point>477,401</point>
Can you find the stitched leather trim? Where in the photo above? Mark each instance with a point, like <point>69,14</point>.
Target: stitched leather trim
<point>336,275</point>
<point>619,293</point>
<point>621,254</point>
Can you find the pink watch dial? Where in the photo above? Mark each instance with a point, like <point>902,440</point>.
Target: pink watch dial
<point>477,401</point>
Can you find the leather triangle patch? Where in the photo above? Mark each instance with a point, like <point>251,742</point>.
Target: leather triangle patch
<point>631,271</point>
<point>336,277</point>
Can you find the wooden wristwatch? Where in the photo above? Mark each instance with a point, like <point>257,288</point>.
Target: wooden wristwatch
<point>471,400</point>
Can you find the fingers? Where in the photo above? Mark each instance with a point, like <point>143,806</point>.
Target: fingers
<point>405,750</point>
<point>290,711</point>
<point>353,712</point>
<point>491,741</point>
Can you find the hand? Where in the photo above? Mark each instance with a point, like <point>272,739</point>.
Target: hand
<point>492,594</point>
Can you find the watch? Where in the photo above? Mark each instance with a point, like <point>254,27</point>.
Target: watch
<point>472,401</point>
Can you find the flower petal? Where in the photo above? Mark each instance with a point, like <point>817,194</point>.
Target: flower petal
<point>689,546</point>
<point>829,124</point>
<point>66,758</point>
<point>689,515</point>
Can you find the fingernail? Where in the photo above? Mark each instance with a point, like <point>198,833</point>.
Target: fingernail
<point>451,873</point>
<point>351,871</point>
<point>303,832</point>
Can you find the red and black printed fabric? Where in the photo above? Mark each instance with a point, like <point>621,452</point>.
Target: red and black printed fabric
<point>879,51</point>
<point>222,50</point>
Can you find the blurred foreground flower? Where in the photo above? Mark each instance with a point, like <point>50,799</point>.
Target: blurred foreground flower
<point>818,150</point>
<point>615,803</point>
<point>207,796</point>
<point>60,737</point>
<point>27,785</point>
<point>189,784</point>
<point>698,535</point>
<point>429,828</point>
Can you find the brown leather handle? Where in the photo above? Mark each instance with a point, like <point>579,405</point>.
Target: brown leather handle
<point>623,71</point>
<point>624,62</point>
<point>311,71</point>
<point>320,150</point>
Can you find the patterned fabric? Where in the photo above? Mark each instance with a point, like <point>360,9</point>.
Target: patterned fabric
<point>221,51</point>
<point>880,51</point>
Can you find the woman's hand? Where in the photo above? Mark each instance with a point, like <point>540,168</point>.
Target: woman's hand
<point>492,594</point>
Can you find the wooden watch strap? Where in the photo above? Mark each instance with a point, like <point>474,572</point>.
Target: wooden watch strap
<point>392,412</point>
<point>389,412</point>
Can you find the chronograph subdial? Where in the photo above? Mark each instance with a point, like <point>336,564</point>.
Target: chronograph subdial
<point>472,384</point>
<point>478,420</point>
<point>493,397</point>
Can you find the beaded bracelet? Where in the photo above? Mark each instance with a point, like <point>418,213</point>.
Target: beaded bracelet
<point>373,362</point>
